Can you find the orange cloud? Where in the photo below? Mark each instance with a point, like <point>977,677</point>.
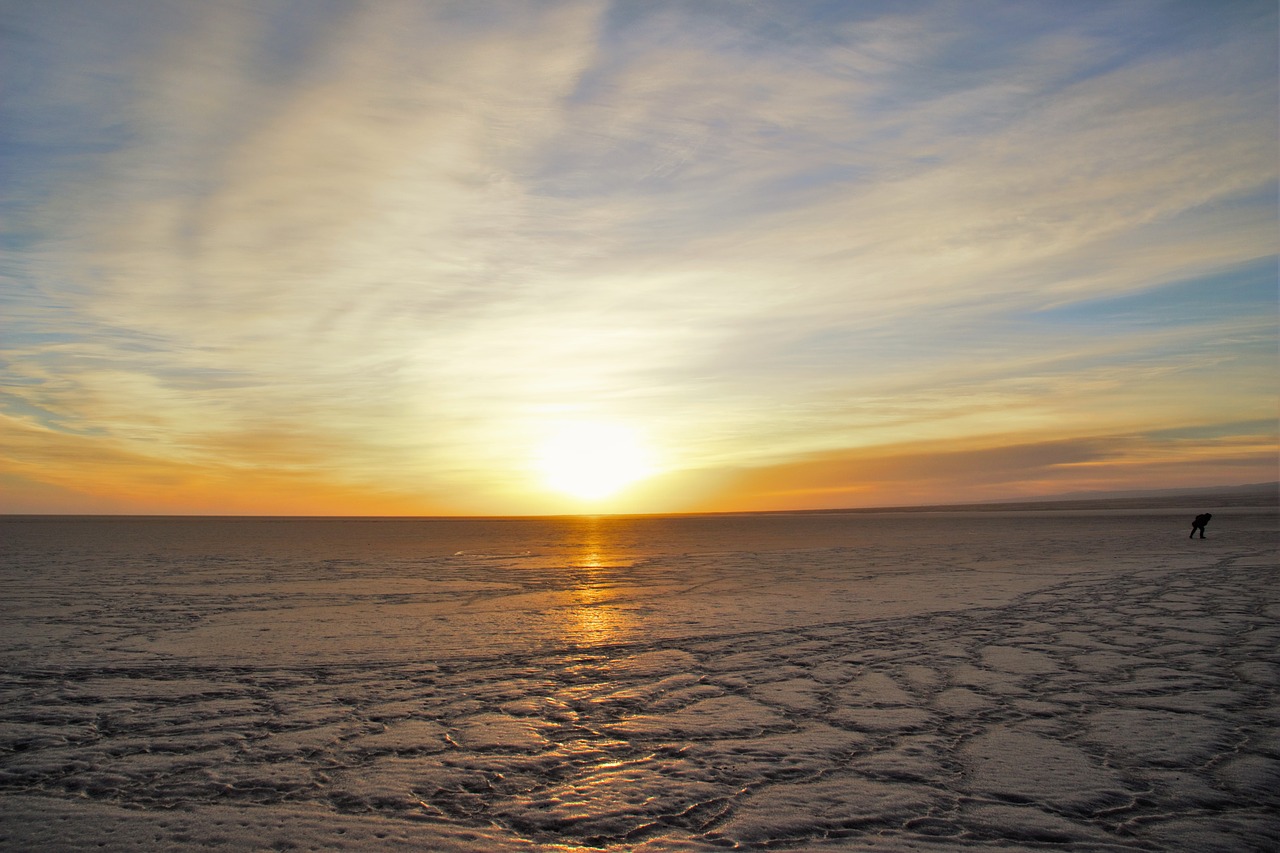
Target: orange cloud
<point>996,468</point>
<point>51,472</point>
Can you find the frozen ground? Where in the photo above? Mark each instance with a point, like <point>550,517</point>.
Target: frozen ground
<point>1088,681</point>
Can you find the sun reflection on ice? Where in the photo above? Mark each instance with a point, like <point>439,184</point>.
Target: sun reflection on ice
<point>594,617</point>
<point>595,621</point>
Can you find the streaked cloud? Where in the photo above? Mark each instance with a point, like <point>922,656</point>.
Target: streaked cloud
<point>376,248</point>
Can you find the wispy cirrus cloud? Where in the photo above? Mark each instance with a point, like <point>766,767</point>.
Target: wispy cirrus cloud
<point>384,244</point>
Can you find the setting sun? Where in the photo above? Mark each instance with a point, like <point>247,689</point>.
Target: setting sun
<point>480,259</point>
<point>591,460</point>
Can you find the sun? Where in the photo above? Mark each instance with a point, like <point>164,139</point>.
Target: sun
<point>590,460</point>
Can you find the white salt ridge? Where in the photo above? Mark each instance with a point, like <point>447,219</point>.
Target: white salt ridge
<point>1131,708</point>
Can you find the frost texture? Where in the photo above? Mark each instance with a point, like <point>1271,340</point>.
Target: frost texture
<point>1106,709</point>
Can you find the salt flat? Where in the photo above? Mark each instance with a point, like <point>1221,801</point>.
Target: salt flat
<point>988,681</point>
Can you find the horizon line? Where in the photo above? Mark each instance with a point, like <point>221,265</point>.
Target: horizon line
<point>1128,496</point>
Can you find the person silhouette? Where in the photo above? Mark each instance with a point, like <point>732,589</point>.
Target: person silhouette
<point>1201,520</point>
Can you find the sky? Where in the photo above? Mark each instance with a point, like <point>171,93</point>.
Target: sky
<point>485,258</point>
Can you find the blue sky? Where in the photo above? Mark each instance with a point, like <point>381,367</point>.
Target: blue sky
<point>371,257</point>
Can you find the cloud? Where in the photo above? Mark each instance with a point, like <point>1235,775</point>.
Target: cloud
<point>1000,468</point>
<point>382,244</point>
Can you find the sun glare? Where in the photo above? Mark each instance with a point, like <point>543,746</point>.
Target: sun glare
<point>590,461</point>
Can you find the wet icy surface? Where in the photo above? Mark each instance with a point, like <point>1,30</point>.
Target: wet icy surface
<point>998,682</point>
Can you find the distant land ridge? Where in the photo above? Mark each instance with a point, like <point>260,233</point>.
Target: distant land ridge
<point>1248,495</point>
<point>1273,489</point>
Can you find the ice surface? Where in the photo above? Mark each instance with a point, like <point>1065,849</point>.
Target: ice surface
<point>981,681</point>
